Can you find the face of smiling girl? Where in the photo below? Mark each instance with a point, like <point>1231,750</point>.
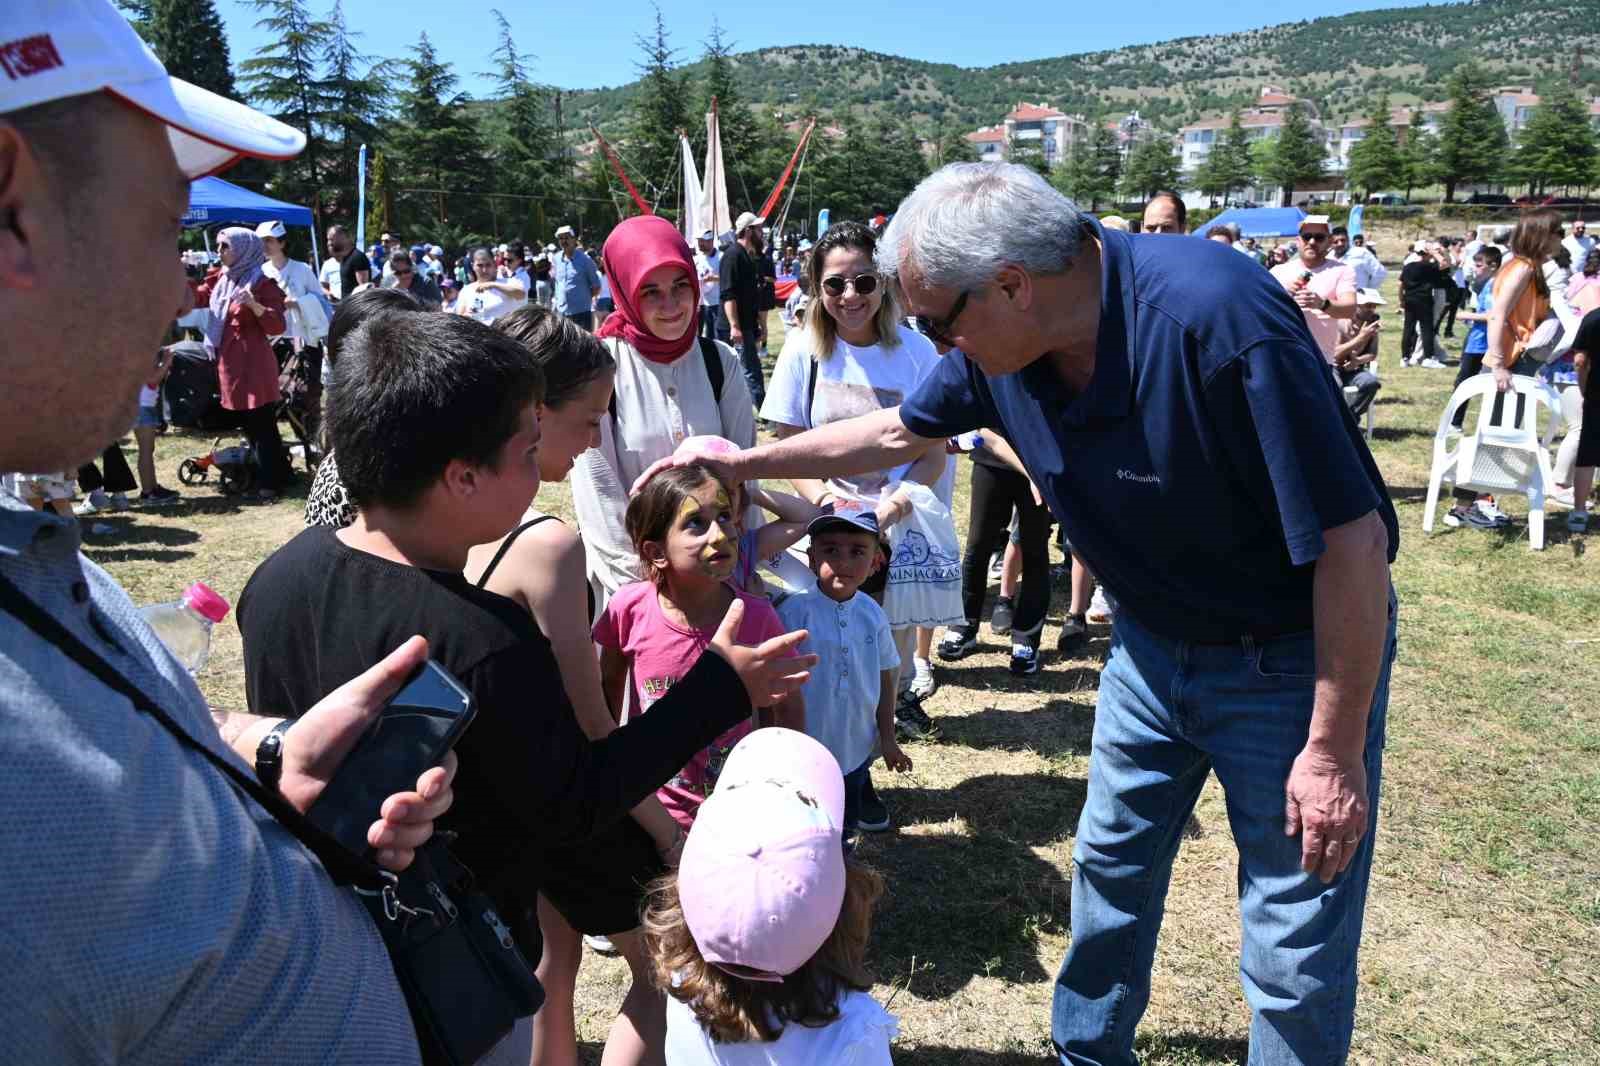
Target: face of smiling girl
<point>702,541</point>
<point>669,302</point>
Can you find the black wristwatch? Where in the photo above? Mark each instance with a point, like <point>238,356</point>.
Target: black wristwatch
<point>269,755</point>
<point>1325,303</point>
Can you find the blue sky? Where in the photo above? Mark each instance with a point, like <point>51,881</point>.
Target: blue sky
<point>586,45</point>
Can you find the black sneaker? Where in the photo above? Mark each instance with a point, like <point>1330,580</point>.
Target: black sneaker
<point>911,721</point>
<point>1074,634</point>
<point>158,498</point>
<point>1000,617</point>
<point>1024,660</point>
<point>873,814</point>
<point>958,643</point>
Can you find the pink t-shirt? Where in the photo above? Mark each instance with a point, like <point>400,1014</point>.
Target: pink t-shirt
<point>1332,280</point>
<point>659,651</point>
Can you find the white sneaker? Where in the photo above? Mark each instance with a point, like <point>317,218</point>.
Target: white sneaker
<point>1431,363</point>
<point>922,683</point>
<point>1490,510</point>
<point>1102,608</point>
<point>1561,494</point>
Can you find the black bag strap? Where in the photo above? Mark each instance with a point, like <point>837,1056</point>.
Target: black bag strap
<point>505,546</point>
<point>811,389</point>
<point>713,361</point>
<point>713,358</point>
<point>344,867</point>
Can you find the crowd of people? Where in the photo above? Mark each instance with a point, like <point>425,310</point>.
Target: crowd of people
<point>682,696</point>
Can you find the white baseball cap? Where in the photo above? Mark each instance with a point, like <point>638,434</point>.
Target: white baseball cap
<point>55,49</point>
<point>707,235</point>
<point>746,220</point>
<point>270,229</point>
<point>434,249</point>
<point>565,231</point>
<point>1370,297</point>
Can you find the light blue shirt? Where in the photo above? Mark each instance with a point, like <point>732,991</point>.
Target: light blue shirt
<point>853,646</point>
<point>154,914</point>
<point>576,281</point>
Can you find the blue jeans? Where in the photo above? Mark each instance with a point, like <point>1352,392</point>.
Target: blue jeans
<point>750,358</point>
<point>1168,713</point>
<point>855,785</point>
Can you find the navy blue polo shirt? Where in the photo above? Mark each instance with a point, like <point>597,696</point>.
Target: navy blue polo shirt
<point>1197,470</point>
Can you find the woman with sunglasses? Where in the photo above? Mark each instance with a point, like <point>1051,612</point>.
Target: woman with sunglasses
<point>854,356</point>
<point>247,307</point>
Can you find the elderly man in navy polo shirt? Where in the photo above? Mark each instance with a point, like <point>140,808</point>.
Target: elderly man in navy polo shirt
<point>1179,419</point>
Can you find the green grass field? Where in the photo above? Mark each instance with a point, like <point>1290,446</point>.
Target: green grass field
<point>1483,928</point>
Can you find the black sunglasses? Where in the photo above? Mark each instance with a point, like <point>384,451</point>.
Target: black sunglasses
<point>937,330</point>
<point>1309,237</point>
<point>864,284</point>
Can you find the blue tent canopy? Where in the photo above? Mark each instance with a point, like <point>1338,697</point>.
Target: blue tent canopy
<point>213,200</point>
<point>1258,221</point>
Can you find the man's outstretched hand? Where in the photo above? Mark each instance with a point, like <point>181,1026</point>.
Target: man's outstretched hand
<point>319,741</point>
<point>770,670</point>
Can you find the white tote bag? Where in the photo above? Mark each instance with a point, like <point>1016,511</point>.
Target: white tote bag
<point>924,586</point>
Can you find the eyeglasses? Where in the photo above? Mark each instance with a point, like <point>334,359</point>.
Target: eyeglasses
<point>938,330</point>
<point>1309,237</point>
<point>864,284</point>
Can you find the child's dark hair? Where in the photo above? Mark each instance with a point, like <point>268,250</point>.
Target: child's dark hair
<point>651,513</point>
<point>734,1010</point>
<point>412,392</point>
<point>1491,255</point>
<point>569,356</point>
<point>357,308</point>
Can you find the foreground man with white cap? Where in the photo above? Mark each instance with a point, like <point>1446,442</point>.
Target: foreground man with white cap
<point>155,914</point>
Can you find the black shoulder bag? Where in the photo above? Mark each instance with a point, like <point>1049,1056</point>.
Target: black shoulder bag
<point>465,981</point>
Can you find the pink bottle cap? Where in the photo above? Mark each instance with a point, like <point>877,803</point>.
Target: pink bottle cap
<point>210,605</point>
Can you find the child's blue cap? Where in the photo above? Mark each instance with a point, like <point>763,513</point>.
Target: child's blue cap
<point>851,516</point>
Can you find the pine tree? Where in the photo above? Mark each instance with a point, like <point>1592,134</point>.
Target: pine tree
<point>1091,170</point>
<point>1472,139</point>
<point>282,77</point>
<point>354,101</point>
<point>660,110</point>
<point>1291,158</point>
<point>436,143</point>
<point>1228,166</point>
<point>1556,149</point>
<point>1152,166</point>
<point>1419,158</point>
<point>187,36</point>
<point>1376,160</point>
<point>950,145</point>
<point>520,139</point>
<point>743,148</point>
<point>1029,153</point>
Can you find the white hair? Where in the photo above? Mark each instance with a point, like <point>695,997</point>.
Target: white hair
<point>966,220</point>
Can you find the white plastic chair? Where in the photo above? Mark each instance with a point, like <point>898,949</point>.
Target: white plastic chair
<point>1505,456</point>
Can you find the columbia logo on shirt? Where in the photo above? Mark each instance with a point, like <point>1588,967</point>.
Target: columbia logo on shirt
<point>1143,479</point>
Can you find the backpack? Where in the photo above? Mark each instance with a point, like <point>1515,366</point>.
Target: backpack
<point>713,361</point>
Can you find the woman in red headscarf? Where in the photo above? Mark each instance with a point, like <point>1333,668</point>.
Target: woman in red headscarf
<point>666,389</point>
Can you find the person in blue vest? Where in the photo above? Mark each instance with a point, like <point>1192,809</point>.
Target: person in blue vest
<point>1180,422</point>
<point>577,281</point>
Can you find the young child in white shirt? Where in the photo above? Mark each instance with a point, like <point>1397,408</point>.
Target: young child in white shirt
<point>854,683</point>
<point>760,937</point>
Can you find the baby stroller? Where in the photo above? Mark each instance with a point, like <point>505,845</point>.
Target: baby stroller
<point>235,466</point>
<point>300,382</point>
<point>193,397</point>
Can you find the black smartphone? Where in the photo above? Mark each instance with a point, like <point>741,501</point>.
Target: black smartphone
<point>413,732</point>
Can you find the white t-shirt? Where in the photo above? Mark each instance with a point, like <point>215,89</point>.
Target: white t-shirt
<point>329,276</point>
<point>484,304</point>
<point>852,381</point>
<point>860,1036</point>
<point>710,291</point>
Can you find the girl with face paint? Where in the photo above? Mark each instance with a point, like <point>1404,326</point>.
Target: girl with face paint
<point>682,525</point>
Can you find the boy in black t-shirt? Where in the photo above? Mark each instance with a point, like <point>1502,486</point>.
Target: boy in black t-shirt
<point>434,418</point>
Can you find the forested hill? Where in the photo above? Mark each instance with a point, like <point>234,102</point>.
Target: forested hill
<point>1337,62</point>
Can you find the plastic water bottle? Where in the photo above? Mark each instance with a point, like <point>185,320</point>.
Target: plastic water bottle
<point>185,626</point>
